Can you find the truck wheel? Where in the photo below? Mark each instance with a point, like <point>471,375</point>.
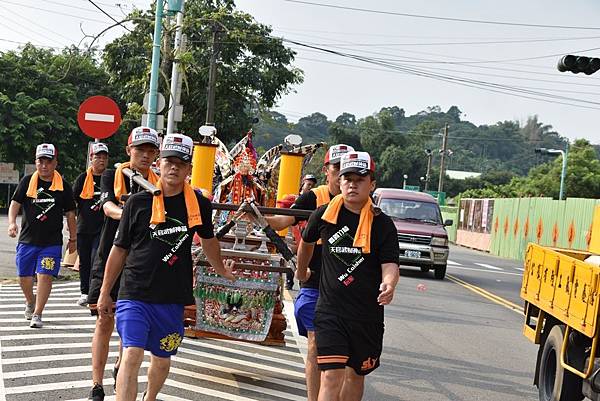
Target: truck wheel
<point>424,269</point>
<point>554,382</point>
<point>440,272</point>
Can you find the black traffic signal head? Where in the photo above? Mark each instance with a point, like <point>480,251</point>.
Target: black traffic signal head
<point>577,64</point>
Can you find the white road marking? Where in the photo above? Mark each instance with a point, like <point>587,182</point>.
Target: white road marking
<point>485,270</point>
<point>488,266</point>
<point>103,118</point>
<point>452,263</point>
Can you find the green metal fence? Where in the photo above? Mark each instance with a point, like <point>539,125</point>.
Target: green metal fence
<point>518,221</point>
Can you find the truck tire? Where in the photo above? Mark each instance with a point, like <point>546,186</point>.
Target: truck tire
<point>425,269</point>
<point>554,382</point>
<point>440,272</point>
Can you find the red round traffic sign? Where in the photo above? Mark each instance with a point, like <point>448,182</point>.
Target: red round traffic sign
<point>99,117</point>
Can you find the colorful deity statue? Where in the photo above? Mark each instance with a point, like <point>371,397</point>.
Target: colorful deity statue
<point>242,184</point>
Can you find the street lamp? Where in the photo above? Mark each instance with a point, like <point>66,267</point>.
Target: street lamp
<point>405,178</point>
<point>563,173</point>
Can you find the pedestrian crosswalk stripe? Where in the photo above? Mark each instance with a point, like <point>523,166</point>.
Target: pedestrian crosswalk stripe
<point>47,319</point>
<point>48,327</point>
<point>184,348</point>
<point>48,358</point>
<point>47,312</point>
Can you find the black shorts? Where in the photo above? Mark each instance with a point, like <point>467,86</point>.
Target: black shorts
<point>342,342</point>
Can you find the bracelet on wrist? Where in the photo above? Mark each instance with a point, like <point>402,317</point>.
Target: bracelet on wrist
<point>72,239</point>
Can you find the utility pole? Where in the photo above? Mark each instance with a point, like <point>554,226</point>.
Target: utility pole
<point>428,173</point>
<point>443,159</point>
<point>154,73</point>
<point>175,76</point>
<point>212,77</point>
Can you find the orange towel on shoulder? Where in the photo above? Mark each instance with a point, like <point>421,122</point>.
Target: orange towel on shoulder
<point>119,186</point>
<point>322,194</point>
<point>87,192</point>
<point>57,184</point>
<point>191,204</point>
<point>362,238</point>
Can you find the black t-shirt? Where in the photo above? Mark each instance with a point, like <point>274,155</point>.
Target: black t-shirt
<point>158,268</point>
<point>350,280</point>
<point>110,226</point>
<point>42,222</point>
<point>89,211</point>
<point>308,201</point>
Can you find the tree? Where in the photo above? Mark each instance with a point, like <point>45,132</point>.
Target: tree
<point>254,67</point>
<point>40,93</point>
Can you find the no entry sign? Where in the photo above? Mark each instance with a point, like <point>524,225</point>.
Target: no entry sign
<point>99,117</point>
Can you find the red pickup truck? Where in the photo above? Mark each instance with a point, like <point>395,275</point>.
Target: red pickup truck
<point>422,234</point>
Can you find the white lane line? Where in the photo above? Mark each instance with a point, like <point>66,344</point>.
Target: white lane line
<point>485,270</point>
<point>488,266</point>
<point>520,268</point>
<point>46,319</point>
<point>237,362</point>
<point>452,263</point>
<point>238,385</point>
<point>48,328</point>
<point>103,118</point>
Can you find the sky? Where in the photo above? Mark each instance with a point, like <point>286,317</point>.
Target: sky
<point>403,53</point>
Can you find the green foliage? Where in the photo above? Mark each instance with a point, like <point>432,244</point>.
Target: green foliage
<point>40,93</point>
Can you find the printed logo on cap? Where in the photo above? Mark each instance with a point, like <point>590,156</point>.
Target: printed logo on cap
<point>360,162</point>
<point>99,147</point>
<point>335,152</point>
<point>178,145</point>
<point>45,150</point>
<point>141,135</point>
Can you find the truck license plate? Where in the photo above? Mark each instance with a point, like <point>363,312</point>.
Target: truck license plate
<point>412,254</point>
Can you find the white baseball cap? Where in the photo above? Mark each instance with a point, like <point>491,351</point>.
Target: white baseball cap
<point>335,153</point>
<point>359,163</point>
<point>46,150</point>
<point>99,147</point>
<point>142,135</point>
<point>177,145</point>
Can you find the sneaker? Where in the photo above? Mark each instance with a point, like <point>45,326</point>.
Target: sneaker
<point>97,393</point>
<point>36,322</point>
<point>144,396</point>
<point>29,308</point>
<point>82,301</point>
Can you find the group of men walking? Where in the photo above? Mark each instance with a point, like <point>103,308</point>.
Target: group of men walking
<point>133,273</point>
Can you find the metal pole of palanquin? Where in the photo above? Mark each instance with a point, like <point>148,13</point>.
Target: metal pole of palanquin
<point>154,73</point>
<point>175,73</point>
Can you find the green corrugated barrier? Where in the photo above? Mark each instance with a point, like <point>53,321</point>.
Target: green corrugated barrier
<point>518,221</point>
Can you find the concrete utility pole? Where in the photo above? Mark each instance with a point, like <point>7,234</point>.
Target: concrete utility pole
<point>428,173</point>
<point>154,73</point>
<point>175,76</point>
<point>443,159</point>
<point>212,77</point>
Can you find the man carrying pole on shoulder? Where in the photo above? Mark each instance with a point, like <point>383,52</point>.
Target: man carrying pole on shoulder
<point>142,149</point>
<point>44,197</point>
<point>90,216</point>
<point>304,306</point>
<point>359,274</point>
<point>153,251</point>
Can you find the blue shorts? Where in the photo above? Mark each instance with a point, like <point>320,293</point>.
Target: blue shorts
<point>157,328</point>
<point>32,259</point>
<point>304,309</point>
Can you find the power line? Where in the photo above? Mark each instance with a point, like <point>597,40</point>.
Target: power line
<point>432,17</point>
<point>44,28</point>
<point>108,15</point>
<point>53,11</point>
<point>25,43</point>
<point>489,86</point>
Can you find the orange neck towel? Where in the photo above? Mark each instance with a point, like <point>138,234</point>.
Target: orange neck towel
<point>322,193</point>
<point>88,185</point>
<point>191,205</point>
<point>57,184</point>
<point>120,188</point>
<point>362,238</point>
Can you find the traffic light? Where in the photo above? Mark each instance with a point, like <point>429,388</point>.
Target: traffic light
<point>577,64</point>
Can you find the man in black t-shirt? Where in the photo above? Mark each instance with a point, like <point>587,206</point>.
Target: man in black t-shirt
<point>153,251</point>
<point>142,149</point>
<point>306,301</point>
<point>44,197</point>
<point>359,274</point>
<point>90,216</point>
